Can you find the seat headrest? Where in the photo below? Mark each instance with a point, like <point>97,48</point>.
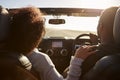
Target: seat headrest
<point>16,59</point>
<point>4,23</point>
<point>107,68</point>
<point>116,29</point>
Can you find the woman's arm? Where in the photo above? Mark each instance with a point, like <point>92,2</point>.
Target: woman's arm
<point>47,71</point>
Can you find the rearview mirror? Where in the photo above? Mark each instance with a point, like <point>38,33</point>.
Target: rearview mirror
<point>56,21</point>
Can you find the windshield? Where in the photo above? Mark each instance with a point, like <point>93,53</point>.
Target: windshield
<point>74,25</point>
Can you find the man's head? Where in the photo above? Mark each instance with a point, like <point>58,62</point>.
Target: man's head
<point>27,29</point>
<point>105,26</point>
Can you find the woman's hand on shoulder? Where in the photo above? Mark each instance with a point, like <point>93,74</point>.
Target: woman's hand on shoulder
<point>84,51</point>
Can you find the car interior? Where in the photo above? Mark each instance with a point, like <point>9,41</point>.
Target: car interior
<point>61,48</point>
<point>68,29</point>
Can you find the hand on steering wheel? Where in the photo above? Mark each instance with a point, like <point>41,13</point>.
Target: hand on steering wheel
<point>93,39</point>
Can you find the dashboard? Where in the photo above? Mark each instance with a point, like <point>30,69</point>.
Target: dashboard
<point>60,50</point>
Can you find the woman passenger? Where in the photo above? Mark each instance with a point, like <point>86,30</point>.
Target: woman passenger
<point>27,31</point>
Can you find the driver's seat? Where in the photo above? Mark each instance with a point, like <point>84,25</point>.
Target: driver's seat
<point>107,68</point>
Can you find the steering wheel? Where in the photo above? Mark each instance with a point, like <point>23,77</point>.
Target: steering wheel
<point>92,40</point>
<point>81,41</point>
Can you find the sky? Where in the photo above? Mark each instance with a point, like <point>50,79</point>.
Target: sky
<point>102,4</point>
<point>60,3</point>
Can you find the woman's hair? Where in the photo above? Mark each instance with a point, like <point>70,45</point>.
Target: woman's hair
<point>27,29</point>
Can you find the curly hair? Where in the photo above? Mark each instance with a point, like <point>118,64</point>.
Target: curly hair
<point>27,29</point>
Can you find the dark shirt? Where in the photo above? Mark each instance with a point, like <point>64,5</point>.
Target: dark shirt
<point>101,51</point>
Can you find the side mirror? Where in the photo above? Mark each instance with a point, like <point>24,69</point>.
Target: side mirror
<point>56,21</point>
